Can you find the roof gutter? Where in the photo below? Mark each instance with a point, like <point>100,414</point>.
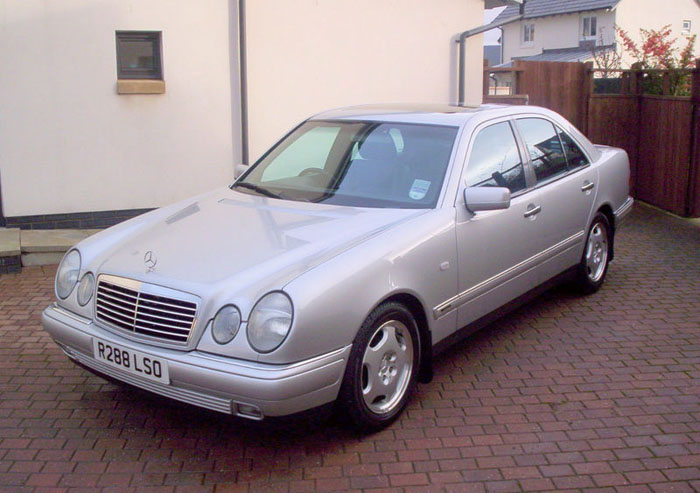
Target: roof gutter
<point>463,49</point>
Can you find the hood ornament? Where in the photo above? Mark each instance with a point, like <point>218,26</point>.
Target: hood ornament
<point>150,260</point>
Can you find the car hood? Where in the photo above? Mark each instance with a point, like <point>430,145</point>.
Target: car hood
<point>230,234</point>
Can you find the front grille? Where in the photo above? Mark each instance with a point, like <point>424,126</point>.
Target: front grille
<point>142,313</point>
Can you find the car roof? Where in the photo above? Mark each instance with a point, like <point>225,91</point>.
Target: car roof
<point>441,114</point>
<point>445,114</point>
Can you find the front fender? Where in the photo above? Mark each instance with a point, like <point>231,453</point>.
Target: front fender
<point>332,300</point>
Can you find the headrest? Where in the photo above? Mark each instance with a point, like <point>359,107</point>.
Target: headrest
<point>379,147</point>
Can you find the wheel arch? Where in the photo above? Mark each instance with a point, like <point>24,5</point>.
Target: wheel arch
<point>414,305</point>
<point>607,210</point>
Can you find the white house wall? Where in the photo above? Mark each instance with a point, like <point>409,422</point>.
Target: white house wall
<point>305,56</point>
<point>655,14</point>
<point>554,32</point>
<point>69,143</point>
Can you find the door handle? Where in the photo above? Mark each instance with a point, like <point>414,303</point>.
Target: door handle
<point>587,185</point>
<point>533,211</point>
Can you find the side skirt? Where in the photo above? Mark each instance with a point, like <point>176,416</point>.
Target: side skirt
<point>499,313</point>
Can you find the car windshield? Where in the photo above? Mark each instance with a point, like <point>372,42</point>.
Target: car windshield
<point>362,164</point>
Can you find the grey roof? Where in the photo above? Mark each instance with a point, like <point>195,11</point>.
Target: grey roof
<point>542,8</point>
<point>561,55</point>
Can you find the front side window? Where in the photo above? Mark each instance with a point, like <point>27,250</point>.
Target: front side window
<point>495,160</point>
<point>543,144</point>
<point>687,26</point>
<point>362,164</point>
<point>590,27</point>
<point>528,33</point>
<point>139,55</point>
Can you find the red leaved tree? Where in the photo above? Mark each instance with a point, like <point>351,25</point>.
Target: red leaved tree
<point>658,51</point>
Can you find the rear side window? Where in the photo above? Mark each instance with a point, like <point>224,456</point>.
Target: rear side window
<point>574,154</point>
<point>495,160</point>
<point>544,146</point>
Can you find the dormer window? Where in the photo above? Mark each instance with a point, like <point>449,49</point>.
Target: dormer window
<point>528,33</point>
<point>589,28</point>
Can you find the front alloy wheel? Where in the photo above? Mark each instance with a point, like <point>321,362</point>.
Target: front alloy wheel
<point>382,368</point>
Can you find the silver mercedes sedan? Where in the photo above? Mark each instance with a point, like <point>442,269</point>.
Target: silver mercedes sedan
<point>339,264</point>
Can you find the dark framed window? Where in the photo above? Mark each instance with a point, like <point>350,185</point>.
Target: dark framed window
<point>543,144</point>
<point>574,154</point>
<point>139,55</point>
<point>495,160</point>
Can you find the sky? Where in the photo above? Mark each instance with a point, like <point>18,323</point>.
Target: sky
<point>491,37</point>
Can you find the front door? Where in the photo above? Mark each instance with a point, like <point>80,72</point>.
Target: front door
<point>496,249</point>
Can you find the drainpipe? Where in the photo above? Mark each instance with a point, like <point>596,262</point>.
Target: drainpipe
<point>2,216</point>
<point>503,37</point>
<point>243,63</point>
<point>473,32</point>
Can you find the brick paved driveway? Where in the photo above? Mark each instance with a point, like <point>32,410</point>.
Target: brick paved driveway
<point>569,393</point>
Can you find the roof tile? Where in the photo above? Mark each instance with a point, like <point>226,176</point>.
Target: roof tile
<point>542,8</point>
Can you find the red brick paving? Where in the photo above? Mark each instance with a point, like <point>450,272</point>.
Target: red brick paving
<point>599,393</point>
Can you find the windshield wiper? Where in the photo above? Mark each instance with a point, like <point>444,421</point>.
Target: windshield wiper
<point>259,189</point>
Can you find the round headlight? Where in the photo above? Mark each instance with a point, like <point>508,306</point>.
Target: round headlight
<point>269,322</point>
<point>226,324</point>
<point>86,288</point>
<point>67,275</point>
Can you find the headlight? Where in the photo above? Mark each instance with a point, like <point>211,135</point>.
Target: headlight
<point>226,324</point>
<point>67,275</point>
<point>269,322</point>
<point>86,288</point>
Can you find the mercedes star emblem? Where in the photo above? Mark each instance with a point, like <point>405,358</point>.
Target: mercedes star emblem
<point>150,260</point>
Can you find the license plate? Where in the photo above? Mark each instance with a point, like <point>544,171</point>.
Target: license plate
<point>135,362</point>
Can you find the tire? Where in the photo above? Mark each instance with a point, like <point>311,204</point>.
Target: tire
<point>596,256</point>
<point>382,369</point>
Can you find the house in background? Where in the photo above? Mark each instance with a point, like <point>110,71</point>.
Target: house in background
<point>569,30</point>
<point>111,107</point>
<point>492,38</point>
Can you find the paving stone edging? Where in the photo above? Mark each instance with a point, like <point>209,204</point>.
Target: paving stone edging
<point>598,393</point>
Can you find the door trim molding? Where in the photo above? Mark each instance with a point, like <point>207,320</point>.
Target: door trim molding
<point>475,291</point>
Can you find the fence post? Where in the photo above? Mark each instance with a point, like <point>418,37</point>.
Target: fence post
<point>636,80</point>
<point>517,79</point>
<point>588,90</point>
<point>487,79</point>
<point>693,198</point>
<point>666,83</point>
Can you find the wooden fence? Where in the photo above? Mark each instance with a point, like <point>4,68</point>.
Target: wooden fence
<point>661,133</point>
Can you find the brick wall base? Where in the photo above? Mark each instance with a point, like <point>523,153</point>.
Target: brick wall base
<point>77,220</point>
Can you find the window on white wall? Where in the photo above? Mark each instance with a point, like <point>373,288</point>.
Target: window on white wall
<point>139,55</point>
<point>687,27</point>
<point>528,33</point>
<point>590,27</point>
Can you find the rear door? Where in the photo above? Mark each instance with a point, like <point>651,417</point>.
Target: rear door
<point>567,185</point>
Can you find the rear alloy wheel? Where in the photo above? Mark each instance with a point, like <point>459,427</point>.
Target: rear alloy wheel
<point>382,369</point>
<point>596,257</point>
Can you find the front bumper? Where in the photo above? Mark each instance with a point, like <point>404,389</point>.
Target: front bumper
<point>214,382</point>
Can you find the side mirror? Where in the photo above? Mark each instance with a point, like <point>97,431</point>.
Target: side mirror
<point>486,198</point>
<point>239,169</point>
